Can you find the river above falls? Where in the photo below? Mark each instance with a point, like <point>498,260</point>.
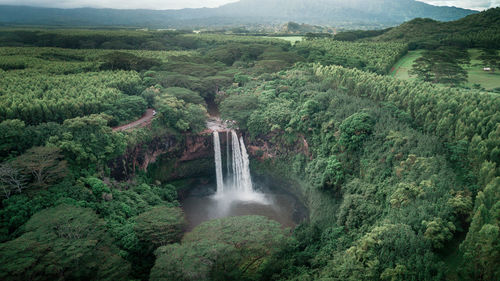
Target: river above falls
<point>272,201</point>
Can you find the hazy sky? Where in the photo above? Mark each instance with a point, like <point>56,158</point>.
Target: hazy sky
<point>178,4</point>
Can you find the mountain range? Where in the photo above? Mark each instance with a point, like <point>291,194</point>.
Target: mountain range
<point>339,13</point>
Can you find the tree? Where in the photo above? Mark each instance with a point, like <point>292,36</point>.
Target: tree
<point>12,139</point>
<point>490,58</point>
<point>442,66</point>
<point>127,61</point>
<point>64,242</point>
<point>223,249</point>
<point>88,141</point>
<point>397,273</point>
<point>481,247</point>
<point>355,129</point>
<point>423,68</point>
<point>438,232</point>
<point>239,107</point>
<point>11,179</point>
<point>326,173</point>
<point>160,226</point>
<point>44,164</point>
<point>177,114</point>
<point>387,252</point>
<point>127,108</point>
<point>186,95</point>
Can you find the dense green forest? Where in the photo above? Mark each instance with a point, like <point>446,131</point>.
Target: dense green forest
<point>478,30</point>
<point>401,178</point>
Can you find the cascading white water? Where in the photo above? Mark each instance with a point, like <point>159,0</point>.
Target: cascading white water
<point>239,184</point>
<point>237,161</point>
<point>218,163</point>
<point>242,180</point>
<point>246,179</point>
<point>228,156</point>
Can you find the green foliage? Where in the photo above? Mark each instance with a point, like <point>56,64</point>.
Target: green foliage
<point>355,129</point>
<point>274,117</point>
<point>222,249</point>
<point>239,108</point>
<point>353,35</point>
<point>373,57</point>
<point>229,53</point>
<point>160,226</point>
<point>438,232</point>
<point>99,39</point>
<point>59,84</point>
<point>388,251</point>
<point>127,108</point>
<point>43,165</point>
<point>63,241</point>
<point>12,139</point>
<point>444,112</point>
<point>37,98</point>
<point>186,95</point>
<point>325,173</point>
<point>118,208</point>
<point>389,168</point>
<point>405,194</point>
<point>442,66</point>
<point>479,30</point>
<point>127,61</point>
<point>399,196</point>
<point>88,141</point>
<point>490,58</point>
<point>481,247</point>
<point>177,114</point>
<point>97,186</point>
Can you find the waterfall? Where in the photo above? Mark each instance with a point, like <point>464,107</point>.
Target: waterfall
<point>239,178</point>
<point>242,180</point>
<point>237,162</point>
<point>228,155</point>
<point>218,163</point>
<point>246,179</point>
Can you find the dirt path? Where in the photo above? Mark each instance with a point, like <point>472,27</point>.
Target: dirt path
<point>143,122</point>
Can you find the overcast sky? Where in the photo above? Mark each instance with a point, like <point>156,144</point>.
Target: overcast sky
<point>179,4</point>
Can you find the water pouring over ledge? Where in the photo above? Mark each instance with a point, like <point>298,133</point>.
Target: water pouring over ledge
<point>235,192</point>
<point>238,183</point>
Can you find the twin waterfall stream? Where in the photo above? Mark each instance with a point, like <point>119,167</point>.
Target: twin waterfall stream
<point>237,185</point>
<point>235,193</point>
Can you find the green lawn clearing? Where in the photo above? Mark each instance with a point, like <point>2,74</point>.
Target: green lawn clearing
<point>477,76</point>
<point>487,80</point>
<point>403,66</point>
<point>291,39</point>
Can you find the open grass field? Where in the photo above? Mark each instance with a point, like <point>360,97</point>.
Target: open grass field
<point>291,39</point>
<point>403,66</point>
<point>487,80</point>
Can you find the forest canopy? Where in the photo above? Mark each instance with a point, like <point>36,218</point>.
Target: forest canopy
<point>400,177</point>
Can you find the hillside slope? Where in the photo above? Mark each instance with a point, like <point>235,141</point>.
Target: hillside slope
<point>478,30</point>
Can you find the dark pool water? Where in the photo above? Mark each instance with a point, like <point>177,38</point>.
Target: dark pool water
<point>271,201</point>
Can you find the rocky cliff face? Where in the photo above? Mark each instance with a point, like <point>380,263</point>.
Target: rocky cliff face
<point>171,157</point>
<point>138,157</point>
<point>171,150</point>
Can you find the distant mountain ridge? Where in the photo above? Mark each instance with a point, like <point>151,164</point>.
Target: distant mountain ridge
<point>319,12</point>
